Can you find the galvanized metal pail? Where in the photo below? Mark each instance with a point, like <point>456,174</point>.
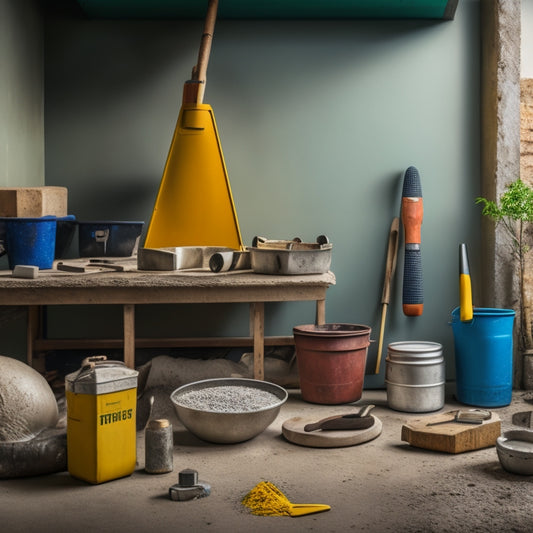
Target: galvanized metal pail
<point>415,376</point>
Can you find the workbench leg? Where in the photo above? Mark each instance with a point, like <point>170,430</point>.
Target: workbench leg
<point>33,330</point>
<point>257,331</point>
<point>320,312</point>
<point>129,335</point>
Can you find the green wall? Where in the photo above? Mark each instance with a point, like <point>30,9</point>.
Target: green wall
<point>318,121</point>
<point>21,94</point>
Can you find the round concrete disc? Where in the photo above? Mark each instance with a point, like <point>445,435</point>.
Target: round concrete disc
<point>293,431</point>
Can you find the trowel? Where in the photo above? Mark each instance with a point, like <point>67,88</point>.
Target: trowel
<point>360,420</point>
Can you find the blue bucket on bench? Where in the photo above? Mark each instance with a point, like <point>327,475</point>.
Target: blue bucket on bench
<point>30,241</point>
<point>484,357</point>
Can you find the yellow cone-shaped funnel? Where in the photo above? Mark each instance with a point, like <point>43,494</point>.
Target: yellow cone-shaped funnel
<point>194,205</point>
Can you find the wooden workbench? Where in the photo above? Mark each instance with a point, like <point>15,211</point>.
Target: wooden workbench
<point>133,287</point>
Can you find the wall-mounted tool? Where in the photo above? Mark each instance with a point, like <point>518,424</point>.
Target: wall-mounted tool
<point>390,268</point>
<point>412,214</point>
<point>465,286</point>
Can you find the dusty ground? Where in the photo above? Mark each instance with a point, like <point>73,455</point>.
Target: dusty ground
<point>382,485</point>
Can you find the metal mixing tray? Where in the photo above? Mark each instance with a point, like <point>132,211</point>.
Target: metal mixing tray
<point>294,257</point>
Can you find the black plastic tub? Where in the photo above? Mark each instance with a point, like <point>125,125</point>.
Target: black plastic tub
<point>109,238</point>
<point>65,230</point>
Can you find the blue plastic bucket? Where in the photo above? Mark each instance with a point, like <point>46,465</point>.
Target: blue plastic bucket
<point>484,357</point>
<point>31,241</point>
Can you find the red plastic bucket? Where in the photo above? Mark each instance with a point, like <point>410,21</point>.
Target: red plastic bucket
<point>331,361</point>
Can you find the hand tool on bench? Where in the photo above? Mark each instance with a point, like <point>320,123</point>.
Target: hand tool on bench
<point>390,268</point>
<point>105,263</point>
<point>93,263</point>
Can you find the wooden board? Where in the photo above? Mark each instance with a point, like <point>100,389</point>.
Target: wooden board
<point>293,431</point>
<point>452,437</point>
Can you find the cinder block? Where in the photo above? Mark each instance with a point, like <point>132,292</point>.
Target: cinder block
<point>33,201</point>
<point>25,271</point>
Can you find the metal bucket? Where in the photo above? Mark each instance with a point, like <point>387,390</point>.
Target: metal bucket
<point>415,376</point>
<point>331,361</point>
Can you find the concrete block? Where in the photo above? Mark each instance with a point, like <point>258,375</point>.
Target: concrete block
<point>25,271</point>
<point>33,201</point>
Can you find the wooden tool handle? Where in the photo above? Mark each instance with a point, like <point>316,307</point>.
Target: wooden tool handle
<point>390,268</point>
<point>392,254</point>
<point>199,73</point>
<point>207,39</point>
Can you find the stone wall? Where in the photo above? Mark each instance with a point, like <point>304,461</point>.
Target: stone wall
<point>526,174</point>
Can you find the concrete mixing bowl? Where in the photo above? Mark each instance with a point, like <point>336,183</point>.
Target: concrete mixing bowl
<point>228,410</point>
<point>515,451</point>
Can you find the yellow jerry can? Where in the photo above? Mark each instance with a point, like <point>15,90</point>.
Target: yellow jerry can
<point>101,420</point>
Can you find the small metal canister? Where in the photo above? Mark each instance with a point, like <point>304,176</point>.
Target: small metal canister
<point>159,446</point>
<point>415,376</point>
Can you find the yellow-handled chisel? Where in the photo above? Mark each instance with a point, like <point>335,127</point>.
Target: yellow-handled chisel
<point>465,286</point>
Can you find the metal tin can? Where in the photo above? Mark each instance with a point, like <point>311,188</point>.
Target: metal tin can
<point>415,376</point>
<point>101,420</point>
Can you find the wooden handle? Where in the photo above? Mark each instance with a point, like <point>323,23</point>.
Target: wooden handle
<point>392,254</point>
<point>199,73</point>
<point>390,268</point>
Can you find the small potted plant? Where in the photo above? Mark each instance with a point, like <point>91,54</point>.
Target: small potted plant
<point>514,213</point>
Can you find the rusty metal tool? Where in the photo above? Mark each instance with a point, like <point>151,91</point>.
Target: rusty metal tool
<point>390,268</point>
<point>66,267</point>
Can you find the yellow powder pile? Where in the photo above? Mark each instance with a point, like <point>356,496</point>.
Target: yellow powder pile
<point>265,499</point>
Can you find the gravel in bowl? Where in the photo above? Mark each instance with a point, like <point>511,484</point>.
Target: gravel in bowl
<point>515,451</point>
<point>228,410</point>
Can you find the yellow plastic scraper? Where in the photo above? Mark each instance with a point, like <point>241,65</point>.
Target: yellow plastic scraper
<point>465,286</point>
<point>265,499</point>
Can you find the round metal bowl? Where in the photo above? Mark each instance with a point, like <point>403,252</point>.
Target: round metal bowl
<point>227,427</point>
<point>515,451</point>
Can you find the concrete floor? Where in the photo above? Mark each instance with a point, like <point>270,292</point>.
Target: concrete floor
<point>382,485</point>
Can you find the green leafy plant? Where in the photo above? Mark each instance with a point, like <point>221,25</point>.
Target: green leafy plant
<point>514,213</point>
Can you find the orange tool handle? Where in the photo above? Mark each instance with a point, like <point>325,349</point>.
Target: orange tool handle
<point>412,215</point>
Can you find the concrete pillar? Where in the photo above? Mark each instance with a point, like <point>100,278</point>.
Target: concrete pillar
<point>500,145</point>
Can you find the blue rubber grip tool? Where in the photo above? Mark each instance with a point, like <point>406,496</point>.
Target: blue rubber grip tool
<point>412,213</point>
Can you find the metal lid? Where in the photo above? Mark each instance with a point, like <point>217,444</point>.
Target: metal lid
<point>97,375</point>
<point>159,423</point>
<point>414,351</point>
<point>415,347</point>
